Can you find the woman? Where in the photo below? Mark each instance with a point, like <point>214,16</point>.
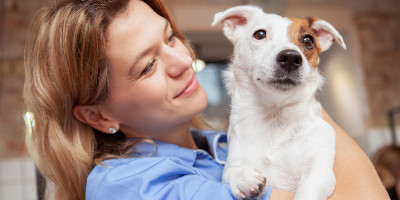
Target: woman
<point>110,83</point>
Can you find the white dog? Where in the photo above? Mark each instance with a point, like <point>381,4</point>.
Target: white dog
<point>276,128</point>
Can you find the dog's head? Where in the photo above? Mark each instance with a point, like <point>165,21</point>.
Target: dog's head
<point>277,53</point>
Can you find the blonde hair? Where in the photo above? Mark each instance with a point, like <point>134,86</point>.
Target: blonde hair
<point>65,65</point>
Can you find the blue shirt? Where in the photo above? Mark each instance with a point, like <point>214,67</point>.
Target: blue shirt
<point>173,172</point>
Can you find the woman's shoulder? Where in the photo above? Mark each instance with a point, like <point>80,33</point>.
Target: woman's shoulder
<point>120,165</point>
<point>115,174</point>
<point>115,169</point>
<point>128,167</point>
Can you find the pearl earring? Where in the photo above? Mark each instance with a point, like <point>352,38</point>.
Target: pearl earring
<point>112,130</point>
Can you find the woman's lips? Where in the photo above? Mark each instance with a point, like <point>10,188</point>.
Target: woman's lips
<point>189,88</point>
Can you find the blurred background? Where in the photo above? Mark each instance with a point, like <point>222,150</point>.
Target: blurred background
<point>361,93</point>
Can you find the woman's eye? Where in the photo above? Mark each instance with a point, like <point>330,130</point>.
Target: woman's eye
<point>148,67</point>
<point>171,38</point>
<point>260,34</point>
<point>308,41</point>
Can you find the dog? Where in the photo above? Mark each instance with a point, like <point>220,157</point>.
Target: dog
<point>277,136</point>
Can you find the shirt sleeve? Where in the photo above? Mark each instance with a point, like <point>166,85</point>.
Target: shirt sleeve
<point>160,179</point>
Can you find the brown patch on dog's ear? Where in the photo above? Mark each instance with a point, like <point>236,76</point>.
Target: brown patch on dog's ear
<point>311,21</point>
<point>297,30</point>
<point>325,33</point>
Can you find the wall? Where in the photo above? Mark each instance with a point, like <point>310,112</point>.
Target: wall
<point>379,34</point>
<point>17,171</point>
<point>15,16</point>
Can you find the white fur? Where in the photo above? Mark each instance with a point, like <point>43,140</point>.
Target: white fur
<point>278,132</point>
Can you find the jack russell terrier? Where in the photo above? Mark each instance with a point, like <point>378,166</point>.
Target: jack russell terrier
<point>277,136</point>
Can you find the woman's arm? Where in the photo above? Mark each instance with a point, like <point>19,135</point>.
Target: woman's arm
<point>356,177</point>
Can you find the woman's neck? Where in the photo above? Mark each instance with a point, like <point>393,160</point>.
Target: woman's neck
<point>180,136</point>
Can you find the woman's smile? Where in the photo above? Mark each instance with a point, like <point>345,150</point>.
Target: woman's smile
<point>190,87</point>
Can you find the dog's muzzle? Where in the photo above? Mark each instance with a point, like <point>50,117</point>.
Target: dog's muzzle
<point>287,73</point>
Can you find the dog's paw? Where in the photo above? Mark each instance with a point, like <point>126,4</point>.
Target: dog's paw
<point>247,183</point>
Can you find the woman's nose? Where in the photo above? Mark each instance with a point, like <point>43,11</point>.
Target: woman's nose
<point>177,61</point>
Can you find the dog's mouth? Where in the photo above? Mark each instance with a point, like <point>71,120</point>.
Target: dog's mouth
<point>283,80</point>
<point>286,81</point>
<point>284,84</point>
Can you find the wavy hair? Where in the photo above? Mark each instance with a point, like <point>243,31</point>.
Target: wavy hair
<point>65,65</point>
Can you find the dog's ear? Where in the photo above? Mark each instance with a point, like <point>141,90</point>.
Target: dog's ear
<point>325,33</point>
<point>233,18</point>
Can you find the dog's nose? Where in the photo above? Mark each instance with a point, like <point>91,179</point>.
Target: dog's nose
<point>289,60</point>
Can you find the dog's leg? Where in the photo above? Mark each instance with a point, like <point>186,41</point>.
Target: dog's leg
<point>245,181</point>
<point>319,183</point>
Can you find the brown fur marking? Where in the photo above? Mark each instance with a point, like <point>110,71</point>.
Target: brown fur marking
<point>297,30</point>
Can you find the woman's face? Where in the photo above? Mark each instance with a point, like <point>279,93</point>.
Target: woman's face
<point>153,86</point>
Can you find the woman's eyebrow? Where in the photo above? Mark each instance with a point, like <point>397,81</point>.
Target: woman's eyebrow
<point>148,50</point>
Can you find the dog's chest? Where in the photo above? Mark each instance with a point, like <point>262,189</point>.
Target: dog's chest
<point>286,156</point>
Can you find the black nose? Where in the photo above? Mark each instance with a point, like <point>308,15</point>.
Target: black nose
<point>289,60</point>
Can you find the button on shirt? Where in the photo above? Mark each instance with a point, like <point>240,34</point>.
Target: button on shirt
<point>165,171</point>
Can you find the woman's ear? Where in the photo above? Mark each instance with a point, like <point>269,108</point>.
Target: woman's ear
<point>91,115</point>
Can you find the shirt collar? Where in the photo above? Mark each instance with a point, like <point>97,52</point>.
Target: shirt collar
<point>217,142</point>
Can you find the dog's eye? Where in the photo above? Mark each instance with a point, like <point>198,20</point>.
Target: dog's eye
<point>308,42</point>
<point>260,34</point>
